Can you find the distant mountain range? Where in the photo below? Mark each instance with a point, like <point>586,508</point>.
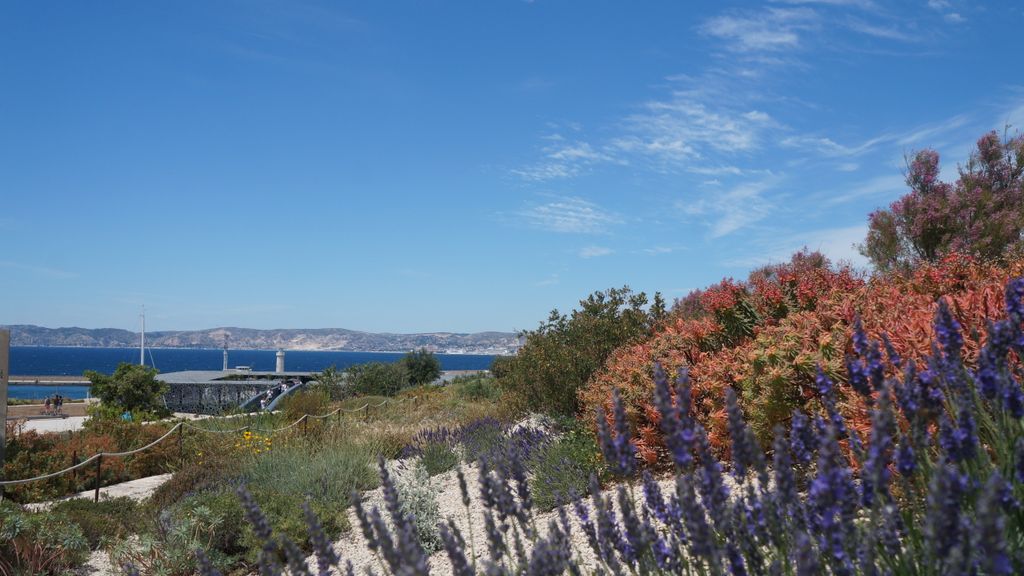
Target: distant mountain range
<point>252,339</point>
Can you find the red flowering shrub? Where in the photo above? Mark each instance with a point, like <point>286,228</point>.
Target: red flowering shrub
<point>773,369</point>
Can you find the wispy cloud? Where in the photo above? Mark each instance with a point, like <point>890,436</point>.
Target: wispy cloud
<point>658,250</point>
<point>46,271</point>
<point>594,251</point>
<point>691,126</point>
<point>736,208</point>
<point>889,185</point>
<point>772,29</point>
<point>564,160</point>
<point>949,14</point>
<point>551,280</point>
<point>572,215</point>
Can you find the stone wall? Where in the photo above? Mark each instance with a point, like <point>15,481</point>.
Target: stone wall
<point>214,398</point>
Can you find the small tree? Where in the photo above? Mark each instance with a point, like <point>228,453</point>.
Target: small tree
<point>331,381</point>
<point>422,366</point>
<point>130,388</point>
<point>981,214</point>
<point>377,378</point>
<point>564,352</point>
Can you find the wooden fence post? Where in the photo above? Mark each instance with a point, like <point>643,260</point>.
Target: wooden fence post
<point>305,423</point>
<point>74,462</point>
<point>99,463</point>
<point>181,443</point>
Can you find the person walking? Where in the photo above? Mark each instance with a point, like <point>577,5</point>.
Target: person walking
<point>59,403</point>
<point>46,407</point>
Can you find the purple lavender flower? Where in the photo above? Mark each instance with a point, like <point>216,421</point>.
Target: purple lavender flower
<point>455,545</point>
<point>713,491</point>
<point>875,473</point>
<point>890,351</point>
<point>959,441</point>
<point>785,498</point>
<point>674,408</point>
<point>860,339</point>
<point>947,331</point>
<point>618,451</point>
<point>906,463</point>
<point>990,529</point>
<point>802,439</point>
<point>1018,460</point>
<point>806,560</point>
<point>944,527</point>
<point>203,565</point>
<point>742,449</point>
<point>324,551</point>
<point>1015,299</point>
<point>701,542</point>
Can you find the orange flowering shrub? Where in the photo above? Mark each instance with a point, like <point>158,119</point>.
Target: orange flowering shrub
<point>802,318</point>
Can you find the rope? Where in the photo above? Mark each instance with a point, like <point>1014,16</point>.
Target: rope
<point>194,427</point>
<point>88,460</point>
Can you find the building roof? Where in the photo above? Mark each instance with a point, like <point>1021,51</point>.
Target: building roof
<point>218,376</point>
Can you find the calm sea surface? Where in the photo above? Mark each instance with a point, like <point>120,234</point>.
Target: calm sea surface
<point>62,361</point>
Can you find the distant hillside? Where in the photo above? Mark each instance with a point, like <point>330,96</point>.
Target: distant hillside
<point>248,338</point>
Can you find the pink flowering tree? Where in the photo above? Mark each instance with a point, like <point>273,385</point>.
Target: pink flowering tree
<point>981,214</point>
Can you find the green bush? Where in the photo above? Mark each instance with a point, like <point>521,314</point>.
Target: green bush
<point>475,388</point>
<point>171,551</point>
<point>131,387</point>
<point>115,518</point>
<point>377,378</point>
<point>312,402</point>
<point>34,543</point>
<point>205,469</point>
<point>563,468</point>
<point>438,457</point>
<point>561,355</point>
<point>421,366</point>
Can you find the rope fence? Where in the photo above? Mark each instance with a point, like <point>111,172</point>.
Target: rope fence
<point>180,428</point>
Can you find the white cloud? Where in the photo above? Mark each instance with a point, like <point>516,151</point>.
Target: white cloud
<point>886,32</point>
<point>594,251</point>
<point>564,160</point>
<point>890,185</point>
<point>733,209</point>
<point>773,29</point>
<point>572,215</point>
<point>848,167</point>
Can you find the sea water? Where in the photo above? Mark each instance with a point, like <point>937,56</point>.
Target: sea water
<point>71,361</point>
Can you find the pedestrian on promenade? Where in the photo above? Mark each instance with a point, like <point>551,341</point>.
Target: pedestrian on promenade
<point>46,407</point>
<point>58,402</point>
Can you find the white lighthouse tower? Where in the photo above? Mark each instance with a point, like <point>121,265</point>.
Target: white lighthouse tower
<point>279,369</point>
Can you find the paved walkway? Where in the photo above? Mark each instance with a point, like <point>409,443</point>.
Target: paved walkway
<point>135,489</point>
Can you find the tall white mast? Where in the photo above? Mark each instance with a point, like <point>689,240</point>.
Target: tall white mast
<point>142,341</point>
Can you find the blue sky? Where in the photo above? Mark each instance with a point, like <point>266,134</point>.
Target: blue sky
<point>463,166</point>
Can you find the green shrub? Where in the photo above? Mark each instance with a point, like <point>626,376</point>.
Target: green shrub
<point>421,366</point>
<point>476,388</point>
<point>377,378</point>
<point>34,543</point>
<point>438,457</point>
<point>563,468</point>
<point>204,469</point>
<point>171,551</point>
<point>561,355</point>
<point>115,518</point>
<point>313,402</point>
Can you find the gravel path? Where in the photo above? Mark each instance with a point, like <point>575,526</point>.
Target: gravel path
<point>352,545</point>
